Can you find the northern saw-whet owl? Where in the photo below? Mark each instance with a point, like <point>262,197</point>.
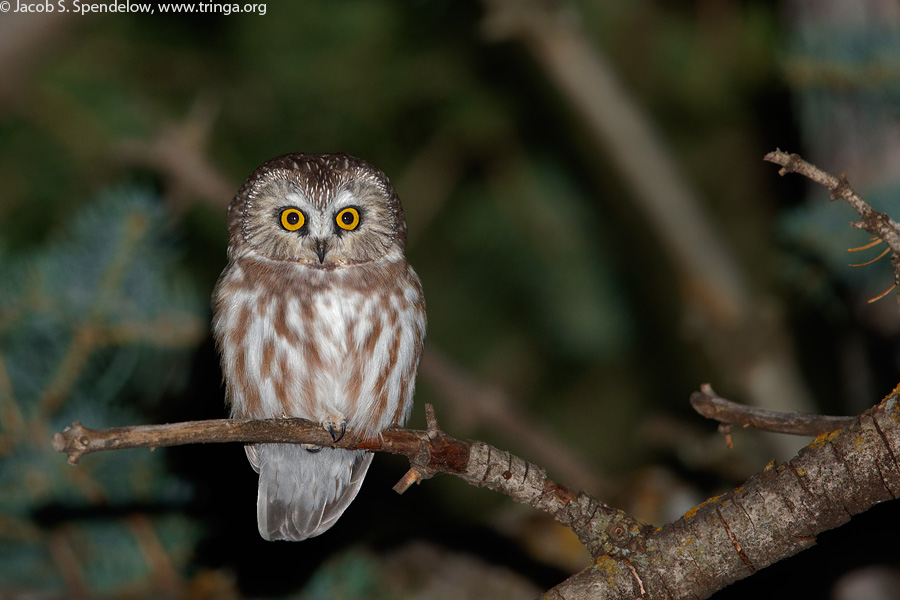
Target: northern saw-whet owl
<point>317,315</point>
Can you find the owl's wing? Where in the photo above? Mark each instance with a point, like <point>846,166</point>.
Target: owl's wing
<point>302,493</point>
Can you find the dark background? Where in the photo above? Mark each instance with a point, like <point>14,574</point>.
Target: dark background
<point>560,326</point>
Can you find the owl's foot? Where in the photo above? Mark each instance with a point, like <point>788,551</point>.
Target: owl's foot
<point>336,426</point>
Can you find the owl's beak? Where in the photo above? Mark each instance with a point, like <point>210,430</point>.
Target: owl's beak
<point>321,249</point>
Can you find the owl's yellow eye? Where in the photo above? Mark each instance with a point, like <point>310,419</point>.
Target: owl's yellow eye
<point>348,219</point>
<point>292,219</point>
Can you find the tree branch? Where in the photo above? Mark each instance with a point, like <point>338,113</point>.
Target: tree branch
<point>877,223</point>
<point>712,406</point>
<point>773,515</point>
<point>429,452</point>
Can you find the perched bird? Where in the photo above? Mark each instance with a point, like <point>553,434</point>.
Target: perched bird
<point>317,315</point>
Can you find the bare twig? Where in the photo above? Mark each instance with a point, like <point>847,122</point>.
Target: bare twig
<point>712,406</point>
<point>78,440</point>
<point>876,223</point>
<point>430,452</point>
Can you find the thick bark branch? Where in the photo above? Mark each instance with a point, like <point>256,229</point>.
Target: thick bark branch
<point>775,514</point>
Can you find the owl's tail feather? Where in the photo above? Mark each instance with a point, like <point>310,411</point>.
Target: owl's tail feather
<point>302,493</point>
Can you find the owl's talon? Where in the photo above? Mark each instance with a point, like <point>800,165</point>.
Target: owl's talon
<point>334,435</point>
<point>311,448</point>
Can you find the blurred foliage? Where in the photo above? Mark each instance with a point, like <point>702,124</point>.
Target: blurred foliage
<point>94,327</point>
<point>540,275</point>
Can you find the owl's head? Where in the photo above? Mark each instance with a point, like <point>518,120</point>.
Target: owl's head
<point>319,210</point>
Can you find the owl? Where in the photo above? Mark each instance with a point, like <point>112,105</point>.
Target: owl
<point>317,315</point>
